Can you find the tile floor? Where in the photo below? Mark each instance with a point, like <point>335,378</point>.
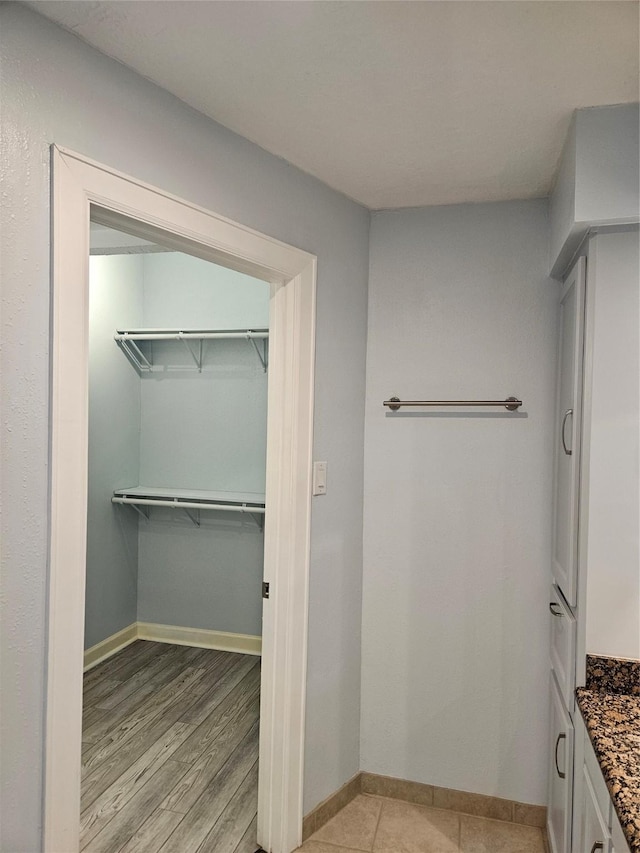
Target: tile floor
<point>370,823</point>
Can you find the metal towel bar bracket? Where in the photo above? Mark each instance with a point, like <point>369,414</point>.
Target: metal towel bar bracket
<point>511,403</point>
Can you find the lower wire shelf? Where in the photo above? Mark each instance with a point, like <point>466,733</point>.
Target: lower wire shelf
<point>191,501</point>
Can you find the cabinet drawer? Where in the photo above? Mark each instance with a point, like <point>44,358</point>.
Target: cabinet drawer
<point>594,832</point>
<point>563,645</point>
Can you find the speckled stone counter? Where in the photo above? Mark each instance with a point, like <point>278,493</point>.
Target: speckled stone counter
<point>610,706</point>
<point>613,675</point>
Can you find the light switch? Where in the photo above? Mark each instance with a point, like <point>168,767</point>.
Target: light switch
<point>319,478</point>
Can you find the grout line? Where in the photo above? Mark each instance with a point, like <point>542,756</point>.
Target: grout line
<point>375,833</point>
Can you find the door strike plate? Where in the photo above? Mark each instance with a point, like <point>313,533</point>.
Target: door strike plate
<point>265,589</point>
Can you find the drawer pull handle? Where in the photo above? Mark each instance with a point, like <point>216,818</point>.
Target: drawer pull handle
<point>597,846</point>
<point>564,423</point>
<point>561,736</point>
<point>553,604</point>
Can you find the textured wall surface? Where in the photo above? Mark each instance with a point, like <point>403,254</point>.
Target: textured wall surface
<point>57,89</point>
<point>457,512</point>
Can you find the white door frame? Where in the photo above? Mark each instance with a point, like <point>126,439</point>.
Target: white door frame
<point>77,183</point>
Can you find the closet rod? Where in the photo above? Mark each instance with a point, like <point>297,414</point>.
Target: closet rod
<point>177,336</point>
<point>511,403</point>
<point>177,504</point>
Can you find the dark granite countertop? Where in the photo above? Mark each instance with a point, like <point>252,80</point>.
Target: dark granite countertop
<point>611,711</point>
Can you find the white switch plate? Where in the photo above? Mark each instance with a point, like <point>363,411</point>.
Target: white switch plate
<point>319,478</point>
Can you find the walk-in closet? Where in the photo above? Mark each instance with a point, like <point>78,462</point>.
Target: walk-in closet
<point>178,369</point>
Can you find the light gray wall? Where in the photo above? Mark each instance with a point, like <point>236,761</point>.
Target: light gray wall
<point>196,292</point>
<point>607,163</point>
<point>457,525</point>
<point>201,577</point>
<point>613,451</point>
<point>562,201</point>
<point>57,89</point>
<point>206,430</point>
<point>202,431</point>
<point>115,297</point>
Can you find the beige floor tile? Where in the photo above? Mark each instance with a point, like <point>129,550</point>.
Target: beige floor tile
<point>321,847</point>
<point>354,826</point>
<point>408,828</point>
<point>480,835</point>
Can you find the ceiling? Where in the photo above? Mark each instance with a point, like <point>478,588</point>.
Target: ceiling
<point>395,104</point>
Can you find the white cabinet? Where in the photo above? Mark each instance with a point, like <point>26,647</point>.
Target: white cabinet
<point>563,645</point>
<point>560,775</point>
<point>564,590</point>
<point>596,826</point>
<point>568,428</point>
<point>595,520</point>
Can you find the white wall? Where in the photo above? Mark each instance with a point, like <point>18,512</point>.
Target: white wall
<point>57,89</point>
<point>457,525</point>
<point>613,455</point>
<point>111,598</point>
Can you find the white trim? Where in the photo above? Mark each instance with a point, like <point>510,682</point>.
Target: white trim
<point>201,638</point>
<point>110,645</point>
<point>78,183</point>
<point>246,644</point>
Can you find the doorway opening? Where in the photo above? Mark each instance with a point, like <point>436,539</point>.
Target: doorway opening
<point>178,367</point>
<point>278,514</point>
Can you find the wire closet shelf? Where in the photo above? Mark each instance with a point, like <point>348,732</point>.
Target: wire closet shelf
<point>191,501</point>
<point>130,340</point>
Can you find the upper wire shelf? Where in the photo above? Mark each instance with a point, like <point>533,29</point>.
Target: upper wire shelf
<point>128,340</point>
<point>191,501</point>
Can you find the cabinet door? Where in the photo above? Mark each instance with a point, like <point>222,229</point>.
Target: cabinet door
<point>594,834</point>
<point>563,645</point>
<point>568,424</point>
<point>561,774</point>
<point>618,840</point>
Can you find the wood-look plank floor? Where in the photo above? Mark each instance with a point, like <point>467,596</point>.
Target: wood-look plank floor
<point>170,751</point>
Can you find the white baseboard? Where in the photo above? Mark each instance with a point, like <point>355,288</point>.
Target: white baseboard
<point>110,645</point>
<point>246,644</point>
